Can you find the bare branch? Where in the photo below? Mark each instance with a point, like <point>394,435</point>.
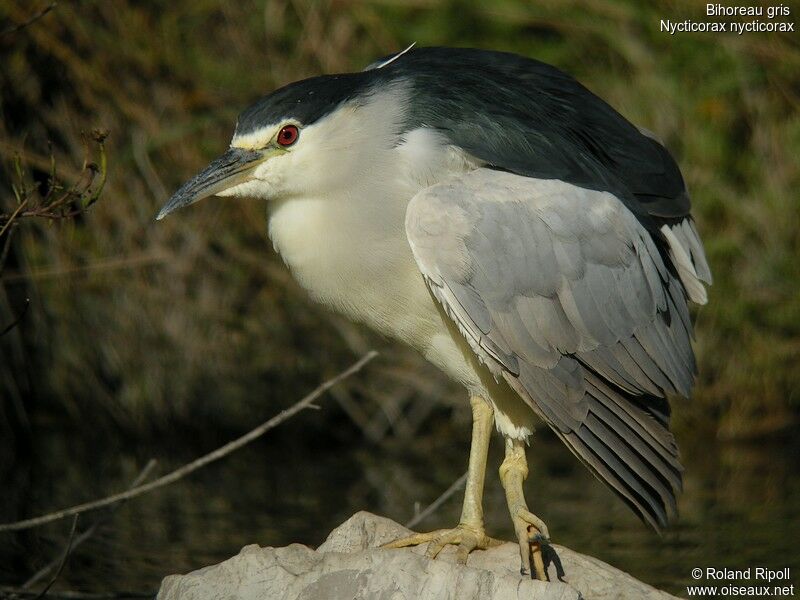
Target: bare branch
<point>60,201</point>
<point>31,20</point>
<point>434,506</point>
<point>17,319</point>
<point>185,470</point>
<point>104,264</point>
<point>13,216</point>
<point>41,573</point>
<point>63,561</point>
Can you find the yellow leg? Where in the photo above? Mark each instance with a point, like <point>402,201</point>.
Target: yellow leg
<point>529,528</point>
<point>470,533</point>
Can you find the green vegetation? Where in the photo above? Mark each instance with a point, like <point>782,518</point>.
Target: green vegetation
<point>140,332</point>
<point>151,320</point>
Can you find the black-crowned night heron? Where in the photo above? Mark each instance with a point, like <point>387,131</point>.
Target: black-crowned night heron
<point>494,214</point>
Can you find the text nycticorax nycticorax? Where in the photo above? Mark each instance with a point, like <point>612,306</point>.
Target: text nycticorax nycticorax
<point>494,214</point>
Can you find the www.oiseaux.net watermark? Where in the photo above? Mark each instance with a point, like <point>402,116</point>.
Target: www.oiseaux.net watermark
<point>737,19</point>
<point>753,582</point>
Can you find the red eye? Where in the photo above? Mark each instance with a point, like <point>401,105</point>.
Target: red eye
<point>288,135</point>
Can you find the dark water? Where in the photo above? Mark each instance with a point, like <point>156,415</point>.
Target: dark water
<point>740,508</point>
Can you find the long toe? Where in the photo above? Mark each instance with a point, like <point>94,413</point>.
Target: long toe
<point>532,534</point>
<point>536,522</point>
<point>416,539</point>
<point>465,538</point>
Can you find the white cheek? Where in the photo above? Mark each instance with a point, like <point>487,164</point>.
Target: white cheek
<point>269,170</point>
<point>293,173</point>
<point>250,189</point>
<point>266,181</point>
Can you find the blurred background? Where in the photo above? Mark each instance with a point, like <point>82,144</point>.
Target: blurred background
<point>139,340</point>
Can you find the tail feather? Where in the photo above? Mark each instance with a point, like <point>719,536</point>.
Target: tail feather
<point>630,451</point>
<point>606,473</point>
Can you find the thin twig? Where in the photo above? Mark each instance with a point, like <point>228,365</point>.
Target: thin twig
<point>63,561</point>
<point>92,528</point>
<point>106,264</point>
<point>34,18</point>
<point>434,506</point>
<point>74,200</point>
<point>185,470</point>
<point>14,215</point>
<point>18,318</point>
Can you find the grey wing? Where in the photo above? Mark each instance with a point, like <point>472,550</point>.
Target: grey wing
<point>560,291</point>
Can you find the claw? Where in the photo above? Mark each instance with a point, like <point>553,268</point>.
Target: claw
<point>532,536</point>
<point>541,529</point>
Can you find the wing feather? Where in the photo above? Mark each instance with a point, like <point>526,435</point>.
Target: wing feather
<point>564,294</point>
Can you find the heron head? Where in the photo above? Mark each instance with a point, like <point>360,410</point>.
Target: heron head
<point>312,138</point>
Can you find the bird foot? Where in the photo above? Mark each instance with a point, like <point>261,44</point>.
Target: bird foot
<point>466,537</point>
<point>536,553</point>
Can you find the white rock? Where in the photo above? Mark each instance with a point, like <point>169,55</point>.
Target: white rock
<point>351,566</point>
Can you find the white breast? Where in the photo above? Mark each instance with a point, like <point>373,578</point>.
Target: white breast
<point>349,248</point>
<point>351,253</point>
<point>356,261</point>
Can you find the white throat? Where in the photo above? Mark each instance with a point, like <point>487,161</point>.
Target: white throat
<point>349,249</point>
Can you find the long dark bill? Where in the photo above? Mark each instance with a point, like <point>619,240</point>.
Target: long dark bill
<point>228,170</point>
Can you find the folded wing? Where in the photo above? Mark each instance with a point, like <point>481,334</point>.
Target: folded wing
<point>563,293</point>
